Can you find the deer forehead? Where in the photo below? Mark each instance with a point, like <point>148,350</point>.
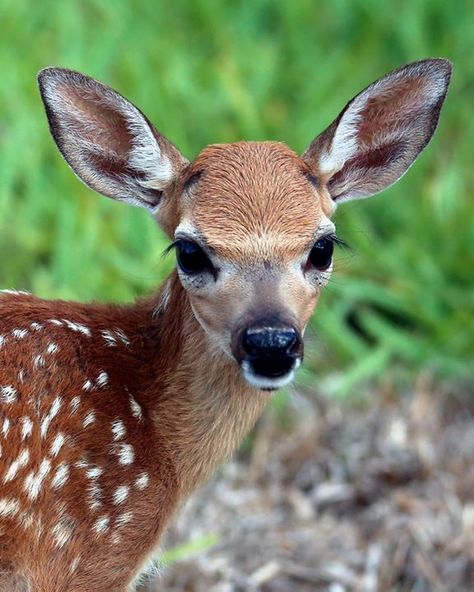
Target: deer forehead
<point>253,200</point>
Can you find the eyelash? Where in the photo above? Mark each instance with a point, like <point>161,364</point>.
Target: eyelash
<point>332,237</point>
<point>337,241</point>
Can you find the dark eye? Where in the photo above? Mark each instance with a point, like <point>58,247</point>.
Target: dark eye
<point>191,258</point>
<point>320,256</point>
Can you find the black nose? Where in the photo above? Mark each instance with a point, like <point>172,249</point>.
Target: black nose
<point>268,340</point>
<point>271,351</point>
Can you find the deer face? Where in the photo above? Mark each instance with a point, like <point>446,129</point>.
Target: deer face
<point>254,247</point>
<point>250,221</point>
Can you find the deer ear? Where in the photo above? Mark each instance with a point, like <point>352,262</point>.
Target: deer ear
<point>381,131</point>
<point>106,140</point>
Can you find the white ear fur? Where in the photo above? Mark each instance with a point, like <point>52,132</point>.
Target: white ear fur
<point>106,140</point>
<point>381,131</point>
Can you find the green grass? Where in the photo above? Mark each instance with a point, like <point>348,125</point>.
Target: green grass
<point>401,303</point>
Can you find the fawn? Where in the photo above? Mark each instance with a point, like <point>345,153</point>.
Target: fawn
<point>111,415</point>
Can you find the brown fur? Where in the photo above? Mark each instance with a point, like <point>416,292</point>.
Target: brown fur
<point>111,415</point>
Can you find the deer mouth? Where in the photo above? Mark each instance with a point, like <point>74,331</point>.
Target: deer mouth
<point>265,382</point>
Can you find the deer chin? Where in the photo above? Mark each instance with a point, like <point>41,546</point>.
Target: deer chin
<point>266,383</point>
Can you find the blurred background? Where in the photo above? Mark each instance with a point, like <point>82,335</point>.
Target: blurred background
<point>389,363</point>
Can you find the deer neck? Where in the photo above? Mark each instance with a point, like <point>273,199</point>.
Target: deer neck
<point>203,408</point>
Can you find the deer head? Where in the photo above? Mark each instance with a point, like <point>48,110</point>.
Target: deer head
<point>250,221</point>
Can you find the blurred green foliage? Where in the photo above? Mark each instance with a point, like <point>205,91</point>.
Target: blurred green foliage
<point>400,303</point>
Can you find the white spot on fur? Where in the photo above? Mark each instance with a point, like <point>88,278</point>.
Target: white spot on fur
<point>118,429</point>
<point>75,403</point>
<point>109,338</point>
<point>56,405</point>
<point>125,453</point>
<point>34,481</point>
<point>55,322</point>
<point>142,480</point>
<point>136,408</point>
<point>26,427</point>
<point>123,519</point>
<point>8,394</point>
<point>37,326</point>
<point>61,476</point>
<point>5,427</point>
<point>19,333</point>
<point>74,564</point>
<point>101,525</point>
<point>87,386</point>
<point>77,327</point>
<point>95,493</point>
<point>63,531</point>
<point>57,444</point>
<point>9,507</point>
<point>3,340</point>
<point>121,494</point>
<point>52,348</point>
<point>121,335</point>
<point>89,419</point>
<point>39,361</point>
<point>94,472</point>
<point>102,379</point>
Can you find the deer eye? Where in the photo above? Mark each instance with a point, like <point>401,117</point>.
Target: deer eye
<point>191,258</point>
<point>320,256</point>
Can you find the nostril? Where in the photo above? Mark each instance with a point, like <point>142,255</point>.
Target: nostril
<point>269,340</point>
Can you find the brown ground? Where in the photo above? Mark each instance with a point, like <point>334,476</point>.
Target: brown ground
<point>374,499</point>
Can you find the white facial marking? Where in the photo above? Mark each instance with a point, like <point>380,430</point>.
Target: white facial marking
<point>26,427</point>
<point>8,394</point>
<point>19,463</point>
<point>118,429</point>
<point>34,481</point>
<point>61,476</point>
<point>57,444</point>
<point>142,480</point>
<point>102,524</point>
<point>121,494</point>
<point>262,382</point>
<point>9,507</point>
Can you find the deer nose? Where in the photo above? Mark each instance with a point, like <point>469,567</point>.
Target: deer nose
<point>271,351</point>
<point>268,340</point>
